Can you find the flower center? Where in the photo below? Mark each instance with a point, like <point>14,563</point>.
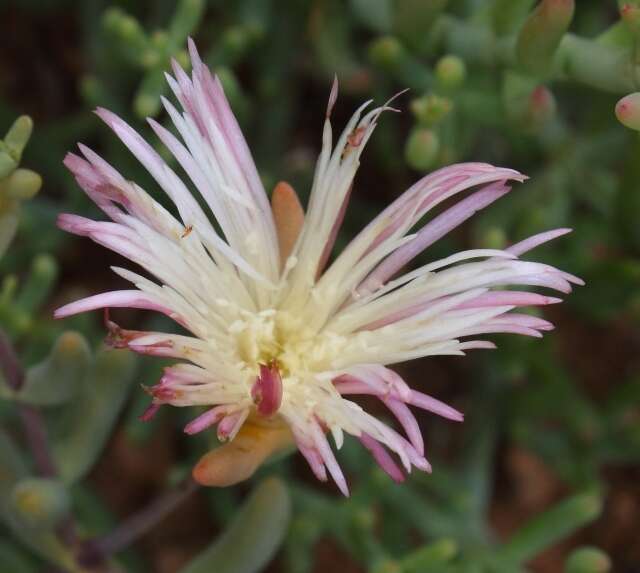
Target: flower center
<point>276,337</point>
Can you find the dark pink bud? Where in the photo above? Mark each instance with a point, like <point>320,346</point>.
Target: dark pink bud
<point>267,390</point>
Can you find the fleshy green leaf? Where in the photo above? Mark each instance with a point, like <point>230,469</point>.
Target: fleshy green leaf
<point>18,135</point>
<point>57,378</point>
<point>550,527</point>
<point>80,431</point>
<point>8,226</point>
<point>253,537</point>
<point>44,542</point>
<point>14,559</point>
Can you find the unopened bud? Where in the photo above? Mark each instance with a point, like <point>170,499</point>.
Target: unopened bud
<point>422,149</point>
<point>588,560</point>
<point>39,503</point>
<point>541,34</point>
<point>451,71</point>
<point>628,111</point>
<point>386,52</point>
<point>431,109</point>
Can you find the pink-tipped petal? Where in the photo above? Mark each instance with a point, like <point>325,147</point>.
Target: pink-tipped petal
<point>433,231</point>
<point>508,298</point>
<point>477,345</point>
<point>324,450</point>
<point>112,299</point>
<point>408,422</point>
<point>430,404</point>
<point>382,457</point>
<point>206,420</point>
<point>230,425</point>
<point>333,96</point>
<point>539,239</point>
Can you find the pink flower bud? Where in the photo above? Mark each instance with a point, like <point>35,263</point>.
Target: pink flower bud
<point>628,111</point>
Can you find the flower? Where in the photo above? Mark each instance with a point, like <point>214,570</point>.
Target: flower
<point>275,331</point>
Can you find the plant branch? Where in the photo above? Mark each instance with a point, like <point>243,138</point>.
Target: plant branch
<point>32,421</point>
<point>96,551</point>
<point>11,368</point>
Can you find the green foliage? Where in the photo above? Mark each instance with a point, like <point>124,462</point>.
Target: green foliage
<point>16,184</point>
<point>80,433</point>
<point>152,53</point>
<point>58,378</point>
<point>252,539</point>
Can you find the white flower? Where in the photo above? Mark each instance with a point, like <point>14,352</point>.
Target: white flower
<point>272,334</point>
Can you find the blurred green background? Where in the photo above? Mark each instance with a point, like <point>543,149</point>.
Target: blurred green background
<point>542,476</point>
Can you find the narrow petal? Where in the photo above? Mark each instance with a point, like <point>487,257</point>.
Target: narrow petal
<point>385,461</point>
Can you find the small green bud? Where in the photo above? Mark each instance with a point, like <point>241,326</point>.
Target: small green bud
<point>628,111</point>
<point>386,52</point>
<point>117,21</point>
<point>588,560</point>
<point>451,71</point>
<point>431,109</point>
<point>39,503</point>
<point>21,185</point>
<point>421,150</point>
<point>494,238</point>
<point>542,33</point>
<point>150,58</point>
